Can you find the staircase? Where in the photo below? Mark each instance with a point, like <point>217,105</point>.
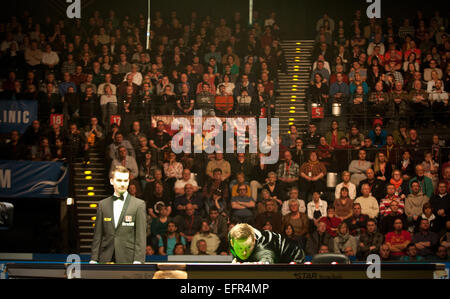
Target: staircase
<point>90,187</point>
<point>291,105</point>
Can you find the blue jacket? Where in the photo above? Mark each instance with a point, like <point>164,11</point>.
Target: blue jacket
<point>380,141</point>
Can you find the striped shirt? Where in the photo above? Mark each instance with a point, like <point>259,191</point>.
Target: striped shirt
<point>385,205</point>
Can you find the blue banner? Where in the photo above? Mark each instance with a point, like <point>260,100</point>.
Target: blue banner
<point>33,179</point>
<point>17,115</point>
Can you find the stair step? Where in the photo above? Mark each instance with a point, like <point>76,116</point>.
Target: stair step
<point>86,202</point>
<point>87,235</point>
<point>84,181</point>
<point>85,215</point>
<point>84,221</point>
<point>82,229</point>
<point>82,169</point>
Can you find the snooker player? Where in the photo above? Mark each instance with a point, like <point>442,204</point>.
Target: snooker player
<point>249,245</point>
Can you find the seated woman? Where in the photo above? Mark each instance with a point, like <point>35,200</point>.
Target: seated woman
<point>358,82</point>
<point>289,232</point>
<point>325,152</point>
<point>293,194</point>
<point>173,170</point>
<point>317,208</point>
<point>343,205</point>
<point>431,169</point>
<point>318,91</point>
<point>334,135</point>
<point>401,186</point>
<point>383,170</point>
<point>331,221</point>
<point>432,219</point>
<point>312,175</point>
<point>344,240</point>
<point>216,200</point>
<point>297,219</point>
<point>406,166</point>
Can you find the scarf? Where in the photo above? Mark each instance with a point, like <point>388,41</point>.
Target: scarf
<point>342,240</point>
<point>397,184</point>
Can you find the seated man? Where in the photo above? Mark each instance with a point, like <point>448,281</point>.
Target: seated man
<point>369,204</point>
<point>212,240</point>
<point>398,239</point>
<point>425,183</point>
<point>391,196</point>
<point>185,102</point>
<point>339,90</point>
<point>240,179</point>
<point>249,245</point>
<point>206,101</point>
<point>377,187</point>
<point>270,215</point>
<point>220,163</point>
<point>425,240</point>
<point>189,197</point>
<point>218,225</point>
<point>385,253</point>
<point>126,161</point>
<point>94,132</point>
<point>317,239</point>
<point>371,241</point>
<point>243,102</point>
<point>378,100</point>
<point>357,222</point>
<point>411,254</point>
<point>168,241</point>
<point>358,168</point>
<point>387,221</point>
<point>288,171</point>
<point>242,206</point>
<point>187,178</point>
<point>415,202</point>
<point>189,224</point>
<point>120,141</point>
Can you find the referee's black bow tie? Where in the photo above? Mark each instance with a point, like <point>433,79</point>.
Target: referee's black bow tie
<point>118,197</point>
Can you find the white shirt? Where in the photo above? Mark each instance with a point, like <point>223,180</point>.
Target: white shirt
<point>50,58</point>
<point>118,207</point>
<point>137,78</point>
<point>312,208</point>
<point>181,183</point>
<point>351,190</point>
<point>369,206</point>
<point>285,207</point>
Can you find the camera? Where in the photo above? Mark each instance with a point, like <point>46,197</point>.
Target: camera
<point>6,215</point>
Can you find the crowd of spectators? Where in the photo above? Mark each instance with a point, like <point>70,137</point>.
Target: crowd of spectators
<point>394,70</point>
<point>393,75</point>
<point>393,199</point>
